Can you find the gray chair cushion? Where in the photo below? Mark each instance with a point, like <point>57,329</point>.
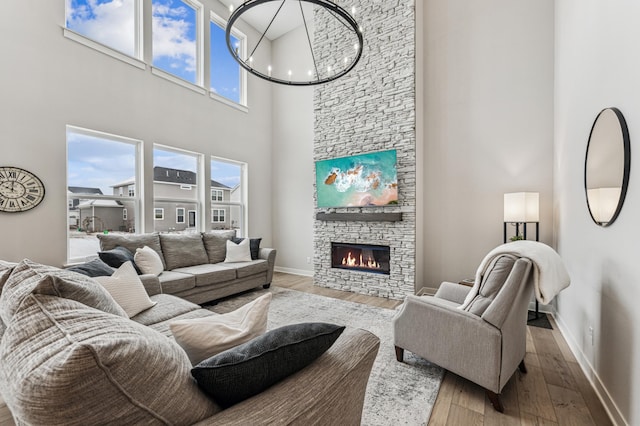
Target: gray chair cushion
<point>62,362</point>
<point>208,273</point>
<point>182,250</point>
<point>248,369</point>
<point>494,278</point>
<point>215,242</point>
<point>173,282</point>
<point>30,277</point>
<point>131,242</point>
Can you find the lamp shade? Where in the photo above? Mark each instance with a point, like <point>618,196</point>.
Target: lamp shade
<point>603,203</point>
<point>521,207</point>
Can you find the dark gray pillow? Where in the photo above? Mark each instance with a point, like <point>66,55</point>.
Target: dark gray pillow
<point>254,246</point>
<point>95,268</point>
<point>246,370</point>
<point>117,256</point>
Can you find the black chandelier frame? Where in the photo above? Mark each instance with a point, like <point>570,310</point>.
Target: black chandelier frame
<point>328,5</point>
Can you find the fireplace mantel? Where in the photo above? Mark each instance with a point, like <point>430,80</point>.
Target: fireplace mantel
<point>360,217</point>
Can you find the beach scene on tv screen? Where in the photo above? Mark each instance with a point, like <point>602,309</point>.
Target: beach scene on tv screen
<point>364,180</point>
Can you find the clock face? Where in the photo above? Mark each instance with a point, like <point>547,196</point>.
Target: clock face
<point>20,190</point>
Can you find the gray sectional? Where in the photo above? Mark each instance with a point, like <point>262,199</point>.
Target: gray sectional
<point>194,267</point>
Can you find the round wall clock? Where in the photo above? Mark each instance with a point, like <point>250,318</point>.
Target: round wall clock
<point>20,190</point>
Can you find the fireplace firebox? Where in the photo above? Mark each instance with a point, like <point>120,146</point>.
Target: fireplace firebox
<point>361,257</point>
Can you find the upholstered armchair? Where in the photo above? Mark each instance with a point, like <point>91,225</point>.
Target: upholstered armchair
<point>483,338</point>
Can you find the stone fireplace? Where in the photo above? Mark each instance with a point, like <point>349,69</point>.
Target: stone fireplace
<point>370,109</point>
<point>369,258</point>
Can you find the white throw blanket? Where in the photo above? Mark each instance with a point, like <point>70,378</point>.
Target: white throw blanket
<point>550,276</point>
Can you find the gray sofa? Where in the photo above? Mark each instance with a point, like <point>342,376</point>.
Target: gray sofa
<point>68,357</point>
<point>194,267</point>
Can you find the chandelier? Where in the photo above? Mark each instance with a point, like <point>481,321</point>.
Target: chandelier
<point>340,35</point>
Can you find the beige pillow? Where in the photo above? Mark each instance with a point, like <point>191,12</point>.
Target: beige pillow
<point>202,338</point>
<point>127,290</point>
<point>148,261</point>
<point>238,252</point>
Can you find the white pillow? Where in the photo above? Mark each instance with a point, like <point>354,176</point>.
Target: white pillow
<point>127,290</point>
<point>238,252</point>
<point>148,261</point>
<point>202,338</point>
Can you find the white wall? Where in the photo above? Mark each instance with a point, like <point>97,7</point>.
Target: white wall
<point>597,66</point>
<point>48,81</point>
<point>488,126</point>
<point>293,168</point>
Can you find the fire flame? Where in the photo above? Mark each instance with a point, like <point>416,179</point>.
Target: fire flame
<point>360,262</point>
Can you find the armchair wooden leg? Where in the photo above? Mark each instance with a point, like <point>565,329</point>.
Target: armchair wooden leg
<point>495,401</point>
<point>522,367</point>
<point>399,354</point>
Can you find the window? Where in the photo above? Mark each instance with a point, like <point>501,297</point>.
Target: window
<point>180,215</point>
<point>158,214</point>
<point>217,215</point>
<point>227,176</point>
<point>92,204</point>
<point>132,191</point>
<point>112,23</point>
<point>176,188</point>
<point>227,76</point>
<point>177,38</point>
<point>217,194</point>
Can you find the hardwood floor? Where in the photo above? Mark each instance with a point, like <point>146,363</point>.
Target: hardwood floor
<point>553,392</point>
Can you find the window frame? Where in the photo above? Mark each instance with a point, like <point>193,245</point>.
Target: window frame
<point>224,215</point>
<point>125,214</point>
<point>217,191</point>
<point>155,213</point>
<point>184,212</point>
<point>243,75</point>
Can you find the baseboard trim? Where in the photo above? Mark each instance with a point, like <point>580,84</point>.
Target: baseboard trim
<point>592,376</point>
<point>293,271</point>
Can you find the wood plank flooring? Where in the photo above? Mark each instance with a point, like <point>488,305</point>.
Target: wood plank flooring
<point>554,392</point>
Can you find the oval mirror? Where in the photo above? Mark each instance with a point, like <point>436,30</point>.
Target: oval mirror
<point>607,163</point>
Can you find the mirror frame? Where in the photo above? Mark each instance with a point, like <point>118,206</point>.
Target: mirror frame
<point>626,164</point>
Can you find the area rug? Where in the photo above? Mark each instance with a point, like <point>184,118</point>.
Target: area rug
<point>398,393</point>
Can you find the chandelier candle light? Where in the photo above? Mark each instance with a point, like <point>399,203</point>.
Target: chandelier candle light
<point>346,46</point>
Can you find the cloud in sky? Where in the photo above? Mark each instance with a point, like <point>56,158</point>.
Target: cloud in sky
<point>110,22</point>
<point>174,38</point>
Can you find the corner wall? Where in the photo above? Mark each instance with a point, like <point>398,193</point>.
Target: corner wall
<point>597,66</point>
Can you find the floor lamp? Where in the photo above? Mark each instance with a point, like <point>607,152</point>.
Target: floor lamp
<point>522,208</point>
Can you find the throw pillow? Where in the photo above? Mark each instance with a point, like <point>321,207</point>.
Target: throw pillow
<point>215,242</point>
<point>127,289</point>
<point>148,261</point>
<point>131,242</point>
<point>238,252</point>
<point>204,337</point>
<point>62,362</point>
<point>182,250</point>
<point>246,370</point>
<point>254,244</point>
<point>31,277</point>
<point>117,256</point>
<point>95,268</point>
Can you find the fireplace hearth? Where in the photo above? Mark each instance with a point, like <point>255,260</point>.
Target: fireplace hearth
<point>361,257</point>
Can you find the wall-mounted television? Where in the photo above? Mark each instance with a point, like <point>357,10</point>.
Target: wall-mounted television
<point>365,180</point>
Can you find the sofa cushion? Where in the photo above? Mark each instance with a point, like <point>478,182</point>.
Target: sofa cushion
<point>173,282</point>
<point>182,250</point>
<point>62,362</point>
<point>117,256</point>
<point>208,273</point>
<point>131,242</point>
<point>204,337</point>
<point>163,326</point>
<point>494,278</point>
<point>254,246</point>
<point>248,369</point>
<point>31,277</point>
<point>127,289</point>
<point>166,307</point>
<point>215,242</point>
<point>148,261</point>
<point>94,268</point>
<point>252,268</point>
<point>238,252</point>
